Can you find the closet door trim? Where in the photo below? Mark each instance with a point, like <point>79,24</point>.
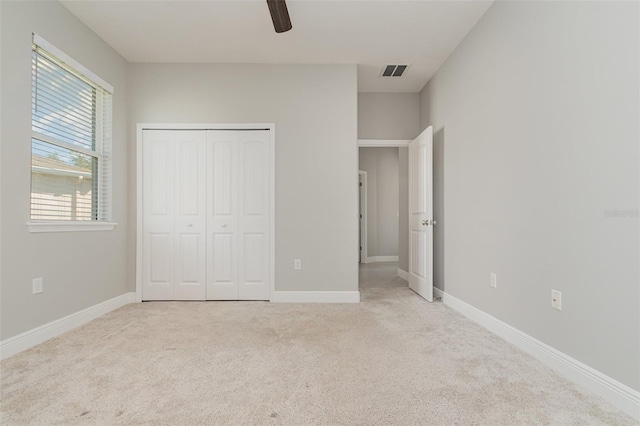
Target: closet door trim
<point>203,126</point>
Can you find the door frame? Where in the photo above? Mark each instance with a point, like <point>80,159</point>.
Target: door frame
<point>380,143</point>
<point>383,143</point>
<point>271,127</point>
<point>363,225</point>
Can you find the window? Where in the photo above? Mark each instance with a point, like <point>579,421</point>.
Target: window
<point>70,142</point>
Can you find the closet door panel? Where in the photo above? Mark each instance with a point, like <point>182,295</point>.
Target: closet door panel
<point>223,278</point>
<point>222,215</point>
<point>158,215</point>
<point>223,179</point>
<point>190,156</point>
<point>254,153</point>
<point>160,258</point>
<point>254,215</point>
<point>254,282</point>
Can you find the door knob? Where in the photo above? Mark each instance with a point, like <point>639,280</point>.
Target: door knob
<point>433,222</point>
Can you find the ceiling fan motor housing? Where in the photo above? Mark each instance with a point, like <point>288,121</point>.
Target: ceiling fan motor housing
<point>279,15</point>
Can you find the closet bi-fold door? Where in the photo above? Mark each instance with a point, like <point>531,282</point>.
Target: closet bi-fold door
<point>238,238</point>
<point>174,209</point>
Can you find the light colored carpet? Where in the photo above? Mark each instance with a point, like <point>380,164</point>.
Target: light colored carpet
<point>393,359</point>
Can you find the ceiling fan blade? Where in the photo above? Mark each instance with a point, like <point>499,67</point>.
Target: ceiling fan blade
<point>279,15</point>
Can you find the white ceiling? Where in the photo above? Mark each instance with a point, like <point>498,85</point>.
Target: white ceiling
<point>364,32</point>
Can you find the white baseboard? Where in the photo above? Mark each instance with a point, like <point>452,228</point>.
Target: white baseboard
<point>617,394</point>
<point>33,337</point>
<point>374,259</point>
<point>316,297</point>
<point>404,275</point>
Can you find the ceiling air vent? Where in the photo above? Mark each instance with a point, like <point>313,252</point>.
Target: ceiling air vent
<point>394,70</point>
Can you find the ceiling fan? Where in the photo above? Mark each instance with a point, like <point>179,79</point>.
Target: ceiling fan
<point>279,15</point>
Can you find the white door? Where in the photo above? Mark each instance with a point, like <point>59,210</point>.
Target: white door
<point>238,240</point>
<point>191,219</point>
<point>158,185</point>
<point>174,217</point>
<point>421,214</point>
<point>254,215</point>
<point>222,215</point>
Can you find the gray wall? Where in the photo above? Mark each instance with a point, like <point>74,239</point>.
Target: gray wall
<point>381,165</point>
<point>80,269</point>
<point>314,108</point>
<point>393,116</point>
<point>535,118</point>
<point>388,115</point>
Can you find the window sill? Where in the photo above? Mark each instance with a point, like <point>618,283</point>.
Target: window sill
<point>70,226</point>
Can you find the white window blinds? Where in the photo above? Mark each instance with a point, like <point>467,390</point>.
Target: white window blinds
<point>71,139</point>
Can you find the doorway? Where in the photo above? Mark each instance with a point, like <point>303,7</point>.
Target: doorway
<point>411,174</point>
<point>362,216</point>
<point>383,202</point>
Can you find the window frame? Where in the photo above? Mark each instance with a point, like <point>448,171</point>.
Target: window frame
<point>103,223</point>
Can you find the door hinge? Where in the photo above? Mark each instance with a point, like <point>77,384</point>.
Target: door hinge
<point>360,183</point>
<point>360,216</point>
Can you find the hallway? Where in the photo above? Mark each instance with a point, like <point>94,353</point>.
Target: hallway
<point>380,275</point>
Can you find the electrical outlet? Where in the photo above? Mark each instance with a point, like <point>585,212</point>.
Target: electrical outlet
<point>36,285</point>
<point>297,264</point>
<point>493,282</point>
<point>556,299</point>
